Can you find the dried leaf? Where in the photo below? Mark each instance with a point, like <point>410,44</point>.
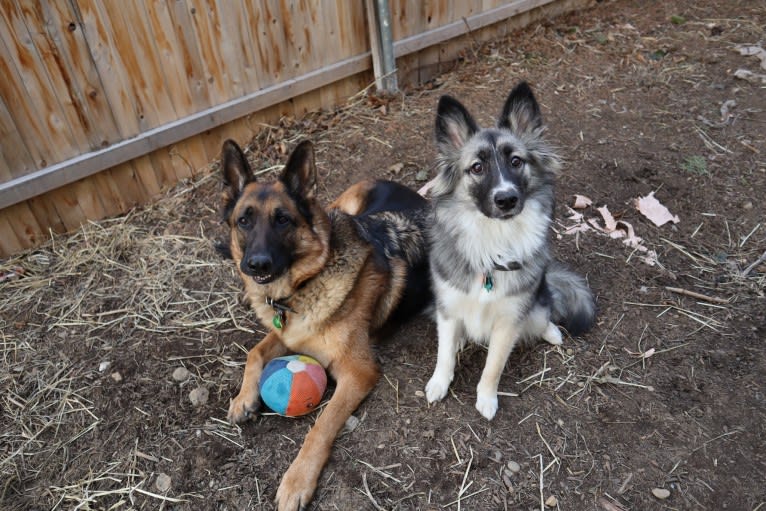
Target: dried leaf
<point>651,208</point>
<point>581,202</point>
<point>753,50</point>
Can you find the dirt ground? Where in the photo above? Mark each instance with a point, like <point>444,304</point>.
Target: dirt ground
<point>666,392</point>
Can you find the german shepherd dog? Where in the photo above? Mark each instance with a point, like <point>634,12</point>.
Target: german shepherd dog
<point>322,281</point>
<point>494,278</point>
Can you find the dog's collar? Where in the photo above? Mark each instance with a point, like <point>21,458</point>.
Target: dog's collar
<point>280,311</point>
<point>509,266</point>
<point>488,283</point>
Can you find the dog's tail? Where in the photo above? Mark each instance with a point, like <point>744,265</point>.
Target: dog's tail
<point>573,304</point>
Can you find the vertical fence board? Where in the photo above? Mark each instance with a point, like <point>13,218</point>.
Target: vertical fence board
<point>9,242</point>
<point>97,28</point>
<point>68,40</point>
<point>12,147</point>
<point>45,35</point>
<point>28,99</point>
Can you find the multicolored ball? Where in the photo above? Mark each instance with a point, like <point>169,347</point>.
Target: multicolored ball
<point>293,385</point>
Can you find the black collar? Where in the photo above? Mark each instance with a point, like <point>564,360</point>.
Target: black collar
<point>509,266</point>
<point>280,311</point>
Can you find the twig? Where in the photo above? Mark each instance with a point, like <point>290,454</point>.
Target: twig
<point>696,295</point>
<point>369,494</point>
<point>540,434</point>
<point>542,471</point>
<point>750,268</point>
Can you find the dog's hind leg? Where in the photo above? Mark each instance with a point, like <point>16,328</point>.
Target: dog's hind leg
<point>501,343</point>
<point>552,334</point>
<point>449,333</point>
<point>246,402</point>
<point>355,377</point>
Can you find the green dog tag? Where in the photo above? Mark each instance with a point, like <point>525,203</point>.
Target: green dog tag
<point>488,284</point>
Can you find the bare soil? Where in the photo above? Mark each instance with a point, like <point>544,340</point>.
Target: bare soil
<point>666,392</point>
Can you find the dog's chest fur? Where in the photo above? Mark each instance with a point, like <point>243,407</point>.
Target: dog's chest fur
<point>466,248</point>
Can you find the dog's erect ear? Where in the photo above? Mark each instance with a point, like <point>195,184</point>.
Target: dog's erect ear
<point>454,125</point>
<point>300,173</point>
<point>521,113</point>
<point>236,170</point>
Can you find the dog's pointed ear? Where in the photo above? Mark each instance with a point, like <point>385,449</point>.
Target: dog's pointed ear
<point>300,173</point>
<point>236,169</point>
<point>521,113</point>
<point>454,125</point>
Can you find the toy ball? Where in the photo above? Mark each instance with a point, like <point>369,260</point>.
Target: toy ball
<point>293,385</point>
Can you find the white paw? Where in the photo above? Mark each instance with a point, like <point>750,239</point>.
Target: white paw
<point>437,387</point>
<point>552,335</point>
<point>487,406</point>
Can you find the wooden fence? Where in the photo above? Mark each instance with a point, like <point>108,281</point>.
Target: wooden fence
<point>106,103</point>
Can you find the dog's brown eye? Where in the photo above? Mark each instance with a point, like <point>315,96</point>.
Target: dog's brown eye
<point>243,221</point>
<point>516,162</point>
<point>282,219</point>
<point>477,168</point>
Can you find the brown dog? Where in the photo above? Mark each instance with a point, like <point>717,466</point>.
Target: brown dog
<point>322,281</point>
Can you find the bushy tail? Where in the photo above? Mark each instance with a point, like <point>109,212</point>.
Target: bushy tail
<point>573,304</point>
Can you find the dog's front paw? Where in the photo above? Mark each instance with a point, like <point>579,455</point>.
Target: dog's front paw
<point>242,407</point>
<point>296,489</point>
<point>437,387</point>
<point>487,405</point>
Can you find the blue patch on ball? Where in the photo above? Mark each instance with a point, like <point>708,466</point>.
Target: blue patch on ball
<point>293,385</point>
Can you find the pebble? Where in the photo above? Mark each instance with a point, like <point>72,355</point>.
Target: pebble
<point>747,205</point>
<point>514,467</point>
<point>551,501</point>
<point>351,424</point>
<point>116,376</point>
<point>162,483</point>
<point>419,393</point>
<point>103,366</point>
<point>180,374</point>
<point>198,396</point>
<point>661,493</point>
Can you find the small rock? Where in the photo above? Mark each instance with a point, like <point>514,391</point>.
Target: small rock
<point>116,376</point>
<point>162,483</point>
<point>747,205</point>
<point>661,493</point>
<point>396,167</point>
<point>103,366</point>
<point>198,396</point>
<point>421,175</point>
<point>419,393</point>
<point>429,434</point>
<point>180,374</point>
<point>551,501</point>
<point>514,467</point>
<point>351,424</point>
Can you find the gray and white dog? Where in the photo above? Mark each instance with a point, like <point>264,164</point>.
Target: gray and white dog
<point>494,278</point>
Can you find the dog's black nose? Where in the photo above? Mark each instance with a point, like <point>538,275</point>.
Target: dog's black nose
<point>506,200</point>
<point>259,264</point>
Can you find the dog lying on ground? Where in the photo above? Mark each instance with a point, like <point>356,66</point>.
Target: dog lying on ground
<point>494,278</point>
<point>323,281</point>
